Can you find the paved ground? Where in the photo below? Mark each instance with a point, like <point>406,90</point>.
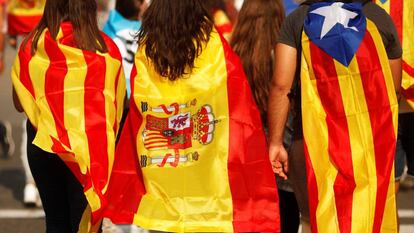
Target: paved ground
<point>15,218</point>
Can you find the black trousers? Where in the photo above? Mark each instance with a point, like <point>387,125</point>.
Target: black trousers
<point>406,135</point>
<point>62,195</point>
<point>289,212</point>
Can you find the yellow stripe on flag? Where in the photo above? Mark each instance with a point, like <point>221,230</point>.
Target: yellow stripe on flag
<point>112,114</point>
<point>15,8</point>
<point>315,132</point>
<point>362,146</point>
<point>389,222</point>
<point>74,105</point>
<point>38,67</point>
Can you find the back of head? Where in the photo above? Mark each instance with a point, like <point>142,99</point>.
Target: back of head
<point>173,33</point>
<point>215,5</point>
<point>81,14</point>
<point>254,38</point>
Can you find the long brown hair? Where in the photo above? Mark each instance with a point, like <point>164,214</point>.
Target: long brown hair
<point>173,33</point>
<point>254,39</point>
<point>82,15</point>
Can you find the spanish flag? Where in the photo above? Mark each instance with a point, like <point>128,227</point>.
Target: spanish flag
<point>201,160</point>
<point>74,98</point>
<point>402,12</point>
<point>23,16</point>
<point>350,112</point>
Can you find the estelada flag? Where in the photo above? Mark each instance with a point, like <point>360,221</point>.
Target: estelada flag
<point>74,99</point>
<point>201,160</point>
<point>402,12</point>
<point>350,111</point>
<point>23,16</point>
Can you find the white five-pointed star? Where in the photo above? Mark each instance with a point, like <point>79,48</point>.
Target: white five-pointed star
<point>335,14</point>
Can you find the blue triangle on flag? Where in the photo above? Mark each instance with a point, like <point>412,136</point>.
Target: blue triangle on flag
<point>336,28</point>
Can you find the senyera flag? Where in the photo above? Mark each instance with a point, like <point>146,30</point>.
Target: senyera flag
<point>74,99</point>
<point>23,15</point>
<point>402,12</point>
<point>350,111</point>
<point>201,160</point>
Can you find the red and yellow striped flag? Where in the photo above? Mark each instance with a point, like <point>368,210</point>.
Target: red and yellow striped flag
<point>350,112</point>
<point>23,15</point>
<point>200,150</point>
<point>223,23</point>
<point>74,98</point>
<point>402,12</point>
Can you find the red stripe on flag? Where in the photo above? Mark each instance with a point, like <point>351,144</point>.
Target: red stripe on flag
<point>407,68</point>
<point>126,187</point>
<point>95,118</point>
<point>225,28</point>
<point>24,59</point>
<point>408,94</point>
<point>376,95</point>
<point>95,124</point>
<point>252,182</point>
<point>54,86</point>
<point>312,190</point>
<point>396,12</point>
<point>21,25</point>
<point>339,147</point>
<point>114,53</point>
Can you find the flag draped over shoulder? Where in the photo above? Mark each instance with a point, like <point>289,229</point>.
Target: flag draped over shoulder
<point>23,16</point>
<point>350,115</point>
<point>200,151</point>
<point>402,12</point>
<point>74,98</point>
<point>123,32</point>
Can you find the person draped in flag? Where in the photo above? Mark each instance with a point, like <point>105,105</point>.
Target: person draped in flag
<point>194,148</point>
<point>338,65</point>
<point>68,79</point>
<point>254,39</point>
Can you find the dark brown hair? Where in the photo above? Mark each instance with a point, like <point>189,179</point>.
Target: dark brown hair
<point>173,33</point>
<point>254,39</point>
<point>129,9</point>
<point>82,15</point>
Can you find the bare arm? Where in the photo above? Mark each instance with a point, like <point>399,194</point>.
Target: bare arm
<point>16,102</point>
<point>284,74</point>
<point>396,70</point>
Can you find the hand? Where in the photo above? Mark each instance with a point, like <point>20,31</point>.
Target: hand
<point>279,159</point>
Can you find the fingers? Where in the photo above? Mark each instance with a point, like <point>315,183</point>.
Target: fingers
<point>278,169</point>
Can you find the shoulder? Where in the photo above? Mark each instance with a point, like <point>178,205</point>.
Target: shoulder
<point>298,15</point>
<point>291,30</point>
<point>377,15</point>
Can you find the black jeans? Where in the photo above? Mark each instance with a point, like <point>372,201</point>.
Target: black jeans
<point>406,135</point>
<point>62,195</point>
